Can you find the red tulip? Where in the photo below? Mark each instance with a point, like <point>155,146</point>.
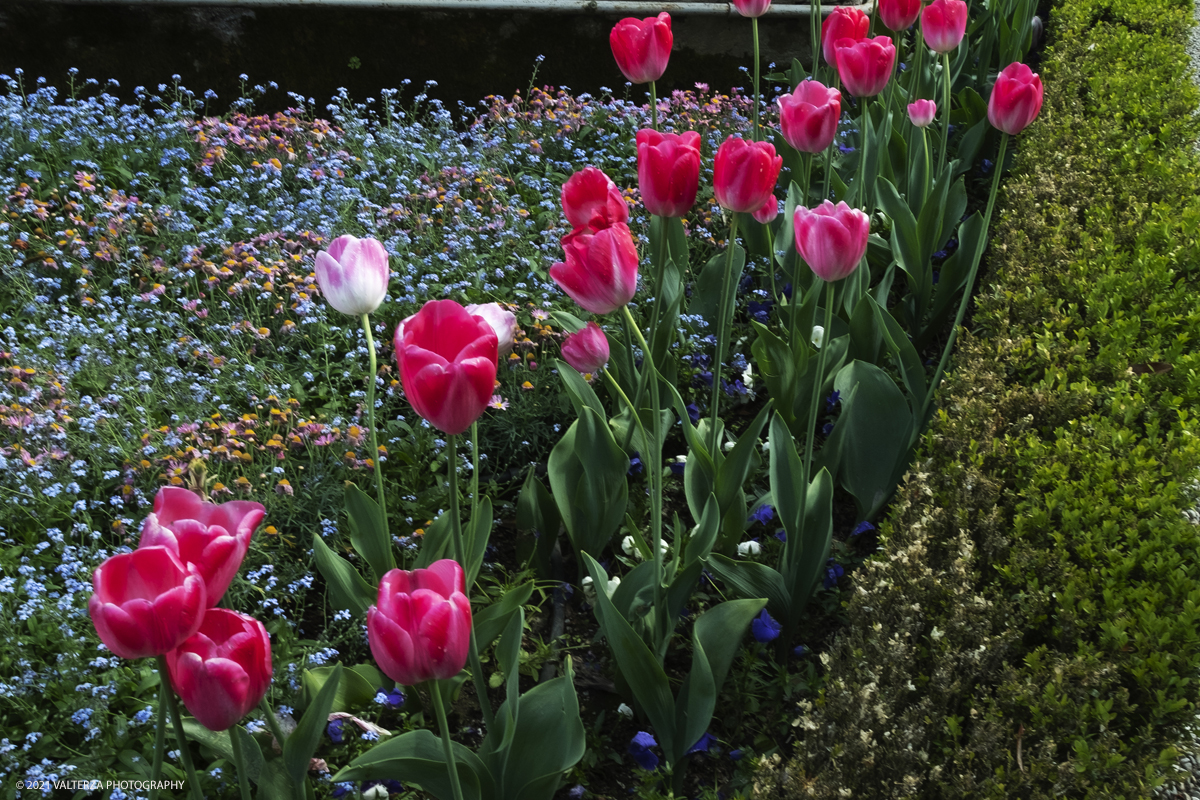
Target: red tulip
<point>769,210</point>
<point>353,274</point>
<point>751,8</point>
<point>214,538</point>
<point>586,350</point>
<point>447,361</point>
<point>899,15</point>
<point>808,117</point>
<point>600,271</point>
<point>843,23</point>
<point>592,201</point>
<point>420,628</point>
<point>1016,99</point>
<point>224,670</point>
<point>831,239</point>
<point>865,66</point>
<point>642,47</point>
<point>146,603</point>
<point>943,24</point>
<point>744,174</point>
<point>922,112</point>
<point>668,171</point>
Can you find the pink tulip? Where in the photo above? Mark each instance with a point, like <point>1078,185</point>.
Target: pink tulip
<point>600,271</point>
<point>353,274</point>
<point>843,23</point>
<point>768,212</point>
<point>899,15</point>
<point>420,627</point>
<point>808,117</point>
<point>224,670</point>
<point>751,8</point>
<point>591,201</point>
<point>865,66</point>
<point>503,322</point>
<point>146,603</point>
<point>744,174</point>
<point>642,47</point>
<point>831,239</point>
<point>1016,99</point>
<point>213,538</point>
<point>447,361</point>
<point>668,171</point>
<point>922,112</point>
<point>587,349</point>
<point>943,24</point>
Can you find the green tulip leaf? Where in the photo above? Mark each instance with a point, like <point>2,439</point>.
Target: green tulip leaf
<point>417,757</point>
<point>493,619</point>
<point>750,579</point>
<point>368,531</point>
<point>299,748</point>
<point>353,692</point>
<point>347,589</point>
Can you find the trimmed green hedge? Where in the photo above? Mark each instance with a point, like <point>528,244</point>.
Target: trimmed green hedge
<point>1031,626</point>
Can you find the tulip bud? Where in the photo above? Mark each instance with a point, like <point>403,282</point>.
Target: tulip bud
<point>212,537</point>
<point>843,23</point>
<point>768,212</point>
<point>899,15</point>
<point>831,239</point>
<point>591,201</point>
<point>642,47</point>
<point>447,361</point>
<point>224,670</point>
<point>1016,99</point>
<point>922,112</point>
<point>751,8</point>
<point>808,117</point>
<point>420,627</point>
<point>353,274</point>
<point>146,603</point>
<point>587,349</point>
<point>668,171</point>
<point>865,66</point>
<point>600,271</point>
<point>503,322</point>
<point>744,174</point>
<point>943,24</point>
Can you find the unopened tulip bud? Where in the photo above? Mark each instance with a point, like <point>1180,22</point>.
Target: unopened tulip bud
<point>922,112</point>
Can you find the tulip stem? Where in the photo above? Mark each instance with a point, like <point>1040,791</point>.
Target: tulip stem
<point>460,555</point>
<point>160,732</point>
<point>272,722</point>
<point>814,17</point>
<point>928,174</point>
<point>757,130</point>
<point>239,762</point>
<point>946,113</point>
<point>366,324</point>
<point>180,737</point>
<point>653,107</point>
<point>723,323</point>
<point>914,91</point>
<point>864,124</point>
<point>826,336</point>
<point>444,727</point>
<point>660,267</point>
<point>654,466</point>
<point>962,305</point>
<point>828,174</point>
<point>474,469</point>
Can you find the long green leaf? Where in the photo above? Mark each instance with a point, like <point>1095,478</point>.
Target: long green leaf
<point>368,531</point>
<point>749,579</point>
<point>479,531</point>
<point>417,757</point>
<point>299,748</point>
<point>492,620</point>
<point>347,589</point>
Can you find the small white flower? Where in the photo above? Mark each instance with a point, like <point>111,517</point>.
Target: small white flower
<point>935,634</point>
<point>818,336</point>
<point>628,547</point>
<point>376,792</point>
<point>748,377</point>
<point>612,586</point>
<point>750,548</point>
<point>625,711</point>
<point>589,590</point>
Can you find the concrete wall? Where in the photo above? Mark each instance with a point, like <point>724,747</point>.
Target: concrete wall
<point>311,50</point>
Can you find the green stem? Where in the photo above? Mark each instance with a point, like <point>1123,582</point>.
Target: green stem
<point>816,390</point>
<point>272,722</point>
<point>366,324</point>
<point>653,107</point>
<point>946,111</point>
<point>814,26</point>
<point>828,173</point>
<point>185,754</point>
<point>864,125</point>
<point>160,730</point>
<point>653,463</point>
<point>655,316</point>
<point>444,727</point>
<point>460,555</point>
<point>723,323</point>
<point>976,256</point>
<point>754,27</point>
<point>239,762</point>
<point>914,91</point>
<point>928,174</point>
<point>474,470</point>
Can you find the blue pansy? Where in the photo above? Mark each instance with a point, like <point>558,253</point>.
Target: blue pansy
<point>832,400</point>
<point>635,464</point>
<point>763,514</point>
<point>832,572</point>
<point>706,741</point>
<point>334,729</point>
<point>862,527</point>
<point>639,748</point>
<point>693,413</point>
<point>764,628</point>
